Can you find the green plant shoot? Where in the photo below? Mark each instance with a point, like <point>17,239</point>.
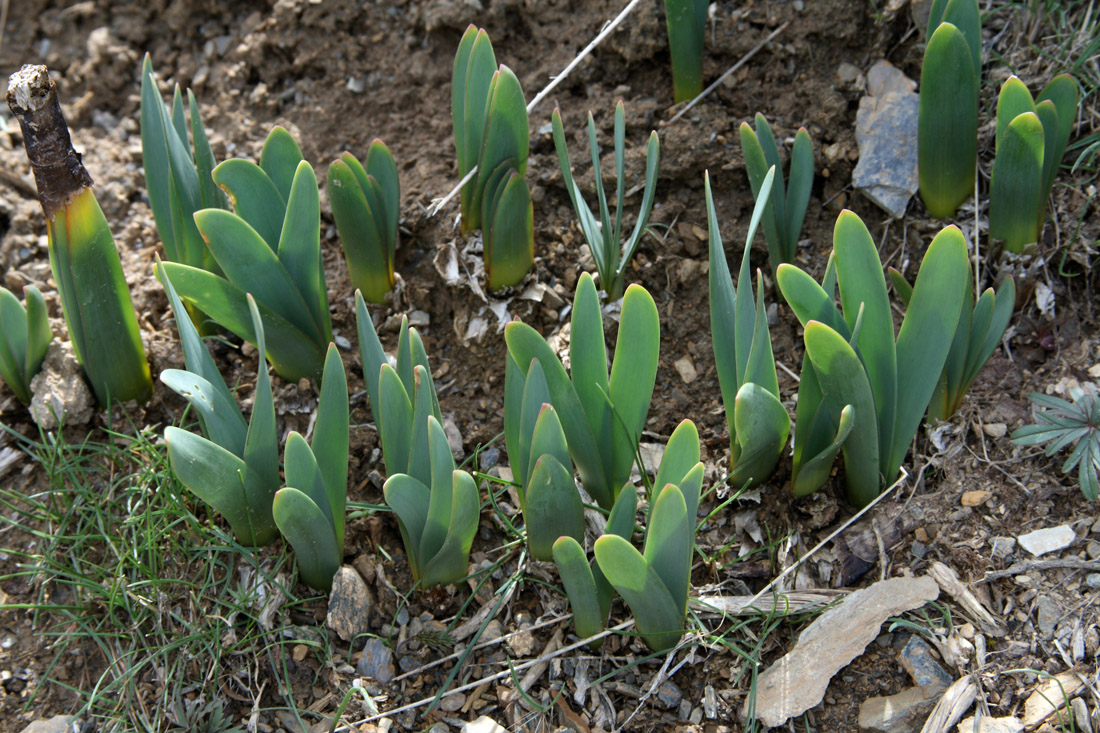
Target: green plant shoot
<point>309,510</point>
<point>438,520</point>
<point>95,298</point>
<point>786,208</point>
<point>1063,423</point>
<point>981,326</point>
<point>859,367</point>
<point>757,421</point>
<point>611,253</point>
<point>235,468</point>
<point>24,338</point>
<point>269,247</point>
<point>686,22</point>
<point>602,417</point>
<point>947,125</point>
<point>1031,139</point>
<point>178,163</point>
<point>365,203</point>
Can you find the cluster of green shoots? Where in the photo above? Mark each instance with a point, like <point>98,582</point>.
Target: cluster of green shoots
<point>242,243</point>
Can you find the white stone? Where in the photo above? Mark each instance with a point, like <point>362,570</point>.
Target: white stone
<point>484,724</point>
<point>991,725</point>
<point>1050,539</point>
<point>686,369</point>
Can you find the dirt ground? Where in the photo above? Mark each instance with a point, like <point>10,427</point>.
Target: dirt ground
<point>338,73</point>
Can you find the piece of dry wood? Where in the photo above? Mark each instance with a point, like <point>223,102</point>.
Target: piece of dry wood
<point>1019,568</point>
<point>748,605</point>
<point>949,582</point>
<point>956,700</point>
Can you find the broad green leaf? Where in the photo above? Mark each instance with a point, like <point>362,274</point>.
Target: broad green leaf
<point>13,345</point>
<point>458,94</point>
<point>441,470</point>
<point>588,368</point>
<point>808,300</point>
<point>757,167</point>
<point>96,301</point>
<point>479,71</point>
<point>681,455</point>
<point>219,416</point>
<point>293,353</point>
<point>553,507</point>
<point>964,15</point>
<point>212,196</point>
<point>668,543</point>
<point>254,197</point>
<point>409,500</point>
<point>300,249</point>
<point>762,425</point>
<point>925,336</point>
<point>280,159</point>
<point>331,435</point>
<point>658,617</point>
<point>310,533</point>
<point>39,335</point>
<point>420,447</point>
<point>514,386</point>
<point>525,344</point>
<point>633,376</point>
<point>547,437</point>
<point>1014,196</point>
<point>760,365</point>
<point>303,473</point>
<point>620,522</point>
<point>859,274</point>
<point>254,268</point>
<point>451,563</point>
<point>844,382</point>
<point>506,132</point>
<point>580,588</point>
<point>1062,93</point>
<point>382,168</point>
<point>371,354</point>
<point>1013,100</point>
<point>801,175</point>
<point>686,22</point>
<point>360,232</point>
<point>510,234</point>
<point>261,442</point>
<point>396,415</point>
<point>652,160</point>
<point>723,308</point>
<point>1004,303</point>
<point>535,395</point>
<point>811,474</point>
<point>947,125</point>
<point>217,477</point>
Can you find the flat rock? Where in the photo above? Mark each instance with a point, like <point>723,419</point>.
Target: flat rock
<point>900,713</point>
<point>348,604</point>
<point>1050,539</point>
<point>56,724</point>
<point>1047,614</point>
<point>987,724</point>
<point>376,662</point>
<point>886,131</point>
<point>797,681</point>
<point>918,659</point>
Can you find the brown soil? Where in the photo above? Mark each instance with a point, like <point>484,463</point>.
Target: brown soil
<point>297,63</point>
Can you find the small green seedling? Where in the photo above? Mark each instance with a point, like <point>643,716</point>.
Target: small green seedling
<point>24,338</point>
<point>686,21</point>
<point>947,126</point>
<point>602,417</point>
<point>270,247</point>
<point>1062,423</point>
<point>539,457</point>
<point>786,208</point>
<point>365,203</point>
<point>884,384</point>
<point>611,253</point>
<point>757,421</point>
<point>437,520</point>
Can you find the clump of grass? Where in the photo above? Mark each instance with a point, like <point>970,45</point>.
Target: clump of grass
<point>162,607</point>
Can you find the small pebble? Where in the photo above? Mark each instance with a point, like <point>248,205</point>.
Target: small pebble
<point>1092,580</point>
<point>686,369</point>
<point>452,703</point>
<point>995,429</point>
<point>669,695</point>
<point>976,498</point>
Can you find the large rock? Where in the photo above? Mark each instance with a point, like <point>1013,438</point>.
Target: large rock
<point>886,131</point>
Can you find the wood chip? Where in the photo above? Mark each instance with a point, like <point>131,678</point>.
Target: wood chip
<point>1052,694</point>
<point>949,710</point>
<point>949,582</point>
